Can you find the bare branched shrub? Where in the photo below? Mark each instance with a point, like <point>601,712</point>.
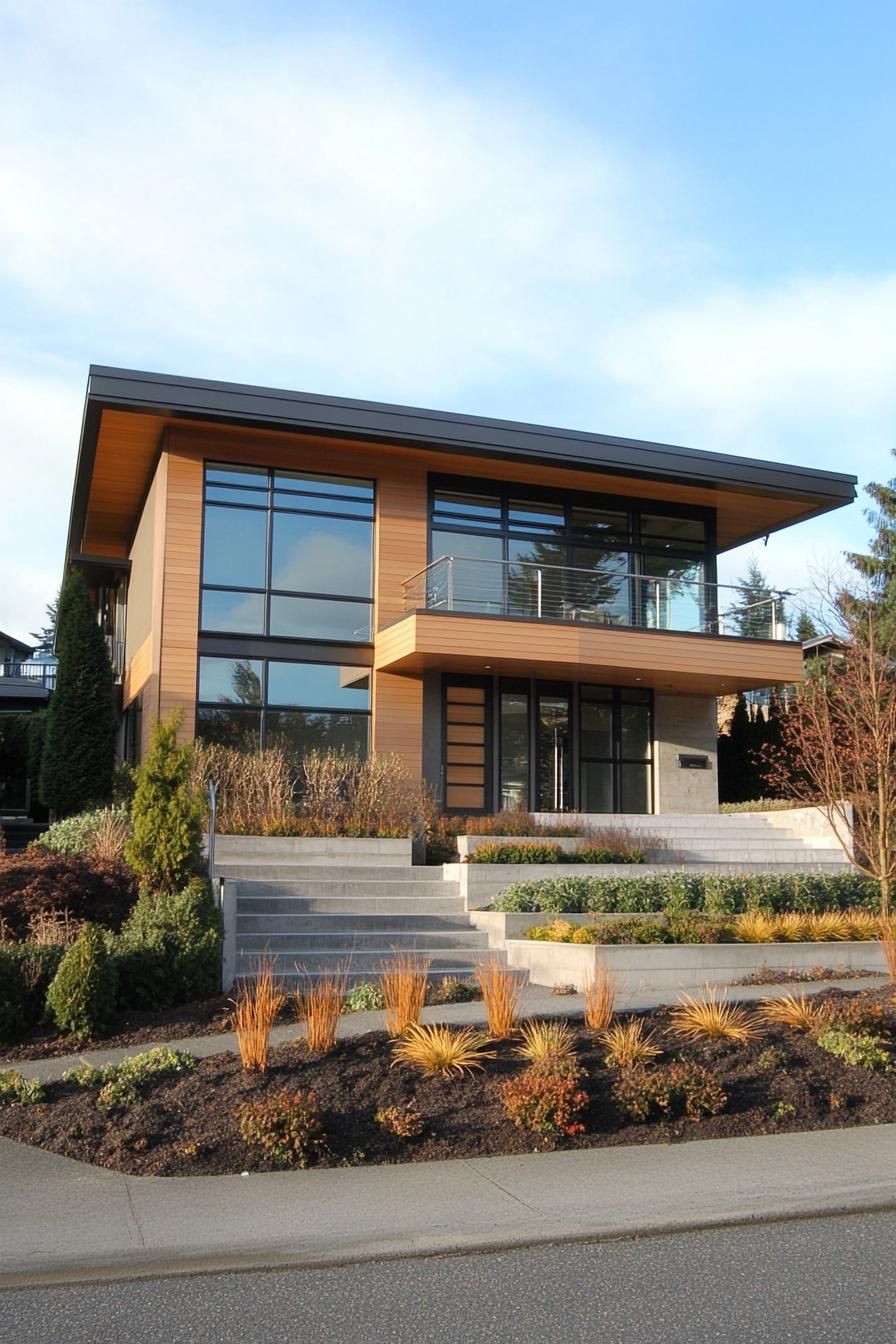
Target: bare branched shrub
<point>405,980</point>
<point>319,1003</point>
<point>255,790</point>
<point>52,928</point>
<point>341,794</point>
<point>258,1003</point>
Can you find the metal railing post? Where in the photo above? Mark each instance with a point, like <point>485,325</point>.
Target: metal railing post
<point>538,593</point>
<point>212,819</point>
<point>450,582</point>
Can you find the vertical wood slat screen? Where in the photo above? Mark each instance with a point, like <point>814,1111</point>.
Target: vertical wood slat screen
<point>465,747</point>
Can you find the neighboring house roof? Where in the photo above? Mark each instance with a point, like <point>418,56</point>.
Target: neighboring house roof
<point>820,644</point>
<point>16,644</point>
<point>139,406</point>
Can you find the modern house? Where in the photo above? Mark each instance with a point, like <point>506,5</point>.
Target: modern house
<point>528,616</point>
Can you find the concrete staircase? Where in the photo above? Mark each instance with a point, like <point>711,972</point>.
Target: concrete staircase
<point>310,919</point>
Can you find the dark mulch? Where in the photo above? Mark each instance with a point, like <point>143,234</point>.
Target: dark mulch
<point>773,975</point>
<point>186,1125</point>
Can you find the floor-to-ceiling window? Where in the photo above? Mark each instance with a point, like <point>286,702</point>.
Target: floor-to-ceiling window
<point>287,601</point>
<point>569,557</point>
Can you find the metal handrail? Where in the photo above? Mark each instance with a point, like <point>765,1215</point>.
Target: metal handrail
<point>639,600</point>
<point>212,818</point>
<point>45,673</point>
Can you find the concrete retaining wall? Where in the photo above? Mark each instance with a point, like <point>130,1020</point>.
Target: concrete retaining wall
<point>340,851</point>
<point>687,967</point>
<point>480,883</point>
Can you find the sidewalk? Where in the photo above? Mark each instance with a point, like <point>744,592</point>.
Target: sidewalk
<point>65,1221</point>
<point>535,1001</point>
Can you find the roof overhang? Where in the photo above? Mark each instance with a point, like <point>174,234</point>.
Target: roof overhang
<point>793,493</point>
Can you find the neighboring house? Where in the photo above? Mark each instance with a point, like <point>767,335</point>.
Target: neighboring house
<point>25,682</point>
<point>525,615</point>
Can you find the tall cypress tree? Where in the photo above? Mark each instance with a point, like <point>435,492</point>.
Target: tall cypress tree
<point>805,627</point>
<point>78,759</point>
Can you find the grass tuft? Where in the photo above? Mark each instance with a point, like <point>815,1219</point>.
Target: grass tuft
<point>405,980</point>
<point>546,1042</point>
<point>792,1010</point>
<point>436,1049</point>
<point>711,1018</point>
<point>501,987</point>
<point>627,1045</point>
<point>257,1005</point>
<point>600,997</point>
<point>320,1005</point>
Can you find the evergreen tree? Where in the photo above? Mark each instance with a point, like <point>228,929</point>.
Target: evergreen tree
<point>879,566</point>
<point>46,638</point>
<point>805,627</point>
<point>756,612</point>
<point>166,847</point>
<point>78,759</point>
<point>738,774</point>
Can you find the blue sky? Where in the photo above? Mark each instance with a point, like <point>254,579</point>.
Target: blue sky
<point>665,220</point>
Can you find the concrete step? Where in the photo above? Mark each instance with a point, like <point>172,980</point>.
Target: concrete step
<point>387,926</point>
<point>319,887</point>
<point>296,943</point>
<point>285,871</point>
<point>367,965</point>
<point>748,867</point>
<point>267,904</point>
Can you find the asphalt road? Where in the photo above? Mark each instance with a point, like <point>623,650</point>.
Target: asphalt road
<point>812,1282</point>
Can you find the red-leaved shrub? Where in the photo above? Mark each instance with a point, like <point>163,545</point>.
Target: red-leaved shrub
<point>31,884</point>
<point>544,1103</point>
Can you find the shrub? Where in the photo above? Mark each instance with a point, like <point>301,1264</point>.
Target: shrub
<point>169,950</point>
<point>501,987</point>
<point>320,1004</point>
<point>627,1045</point>
<point>286,1126</point>
<point>16,1089</point>
<point>711,1018</point>
<point>81,998</point>
<point>451,990</point>
<point>405,1122</point>
<point>444,830</point>
<point>364,997</point>
<point>26,972</point>
<point>123,1084</point>
<point>13,1016</point>
<point>711,894</point>
<point>87,888</point>
<point>761,805</point>
<point>254,791</point>
<point>592,853</point>
<point>438,1050</point>
<point>79,834</point>
<point>540,851</point>
<point>676,927</point>
<point>405,980</point>
<point>342,794</point>
<point>544,1103</point>
<point>858,1049</point>
<point>670,1090</point>
<point>166,848</point>
<point>258,1003</point>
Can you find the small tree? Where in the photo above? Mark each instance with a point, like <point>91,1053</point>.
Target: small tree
<point>81,998</point>
<point>738,772</point>
<point>166,848</point>
<point>839,740</point>
<point>78,759</point>
<point>878,567</point>
<point>756,611</point>
<point>805,628</point>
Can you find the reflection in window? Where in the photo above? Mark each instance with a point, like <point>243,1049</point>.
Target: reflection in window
<point>315,541</point>
<point>239,728</point>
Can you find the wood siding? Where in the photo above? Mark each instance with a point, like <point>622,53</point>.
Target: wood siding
<point>700,664</point>
<point>180,600</point>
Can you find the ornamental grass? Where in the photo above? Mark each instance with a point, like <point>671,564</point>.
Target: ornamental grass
<point>405,980</point>
<point>546,1042</point>
<point>320,1003</point>
<point>501,987</point>
<point>711,1018</point>
<point>438,1050</point>
<point>793,1010</point>
<point>627,1044</point>
<point>600,997</point>
<point>256,1008</point>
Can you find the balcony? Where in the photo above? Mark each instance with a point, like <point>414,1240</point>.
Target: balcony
<point>523,619</point>
<point>41,675</point>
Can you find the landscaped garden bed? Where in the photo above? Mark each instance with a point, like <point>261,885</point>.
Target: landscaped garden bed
<point>186,1121</point>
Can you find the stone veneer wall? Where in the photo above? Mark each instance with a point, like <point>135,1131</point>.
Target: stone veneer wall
<point>685,724</point>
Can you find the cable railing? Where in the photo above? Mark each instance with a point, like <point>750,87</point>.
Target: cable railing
<point>42,673</point>
<point>524,590</point>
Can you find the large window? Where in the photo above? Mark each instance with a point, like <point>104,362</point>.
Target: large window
<point>287,554</point>
<point>570,557</point>
<point>252,703</point>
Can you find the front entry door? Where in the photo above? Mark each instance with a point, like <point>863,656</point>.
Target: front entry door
<point>553,782</point>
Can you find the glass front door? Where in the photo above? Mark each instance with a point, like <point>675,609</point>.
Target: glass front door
<point>554,758</point>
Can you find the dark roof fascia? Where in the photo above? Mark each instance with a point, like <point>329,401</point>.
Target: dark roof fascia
<point>448,432</point>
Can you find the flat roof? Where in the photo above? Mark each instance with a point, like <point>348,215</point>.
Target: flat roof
<point>240,404</point>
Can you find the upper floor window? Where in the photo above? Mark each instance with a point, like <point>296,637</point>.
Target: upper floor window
<point>287,553</point>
